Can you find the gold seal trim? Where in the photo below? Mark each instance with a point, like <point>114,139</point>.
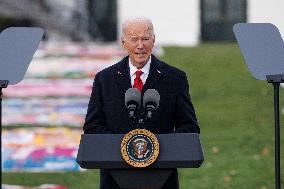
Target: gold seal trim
<point>140,135</point>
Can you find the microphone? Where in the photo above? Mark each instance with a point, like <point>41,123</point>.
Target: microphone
<point>151,101</point>
<point>132,102</point>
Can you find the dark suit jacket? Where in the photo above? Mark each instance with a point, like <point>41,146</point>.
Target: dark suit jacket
<point>107,112</point>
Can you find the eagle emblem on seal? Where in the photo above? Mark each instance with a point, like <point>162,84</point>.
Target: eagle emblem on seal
<point>140,148</point>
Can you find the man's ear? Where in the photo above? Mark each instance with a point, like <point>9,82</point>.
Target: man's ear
<point>122,41</point>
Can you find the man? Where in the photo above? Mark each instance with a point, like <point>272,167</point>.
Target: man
<point>140,69</point>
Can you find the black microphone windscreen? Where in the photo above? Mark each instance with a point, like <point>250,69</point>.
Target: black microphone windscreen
<point>151,96</point>
<point>132,95</point>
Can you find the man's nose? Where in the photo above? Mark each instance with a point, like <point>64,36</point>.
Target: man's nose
<point>140,44</point>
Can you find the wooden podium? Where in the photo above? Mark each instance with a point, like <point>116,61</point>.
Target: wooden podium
<point>177,150</point>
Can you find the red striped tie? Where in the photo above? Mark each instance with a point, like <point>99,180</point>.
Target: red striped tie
<point>137,81</point>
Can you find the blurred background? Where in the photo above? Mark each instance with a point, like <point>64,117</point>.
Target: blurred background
<point>43,115</point>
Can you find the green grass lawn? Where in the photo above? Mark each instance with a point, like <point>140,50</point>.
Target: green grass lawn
<point>235,113</point>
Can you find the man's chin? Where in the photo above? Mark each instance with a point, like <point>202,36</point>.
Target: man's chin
<point>142,60</point>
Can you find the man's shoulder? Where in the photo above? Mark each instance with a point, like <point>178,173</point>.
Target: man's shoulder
<point>169,68</point>
<point>174,69</point>
<point>109,70</point>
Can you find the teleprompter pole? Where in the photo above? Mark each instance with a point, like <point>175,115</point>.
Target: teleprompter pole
<point>276,80</point>
<point>277,134</point>
<point>1,108</point>
<point>3,84</point>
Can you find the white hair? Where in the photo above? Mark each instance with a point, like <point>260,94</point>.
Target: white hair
<point>129,21</point>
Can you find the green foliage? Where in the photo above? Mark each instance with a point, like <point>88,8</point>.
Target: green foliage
<point>74,180</point>
<point>235,113</point>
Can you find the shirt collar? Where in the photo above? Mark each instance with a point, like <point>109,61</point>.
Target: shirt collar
<point>145,69</point>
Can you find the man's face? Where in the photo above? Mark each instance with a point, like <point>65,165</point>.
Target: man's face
<point>138,40</point>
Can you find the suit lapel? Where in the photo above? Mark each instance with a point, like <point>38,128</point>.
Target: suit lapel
<point>121,73</point>
<point>154,74</point>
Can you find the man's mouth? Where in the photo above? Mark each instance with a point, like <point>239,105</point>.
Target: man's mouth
<point>140,53</point>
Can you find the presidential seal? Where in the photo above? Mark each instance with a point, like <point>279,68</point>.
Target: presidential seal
<point>140,148</point>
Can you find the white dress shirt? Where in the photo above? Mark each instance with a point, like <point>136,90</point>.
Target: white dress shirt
<point>145,71</point>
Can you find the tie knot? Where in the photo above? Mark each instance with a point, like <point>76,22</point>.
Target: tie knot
<point>138,73</point>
